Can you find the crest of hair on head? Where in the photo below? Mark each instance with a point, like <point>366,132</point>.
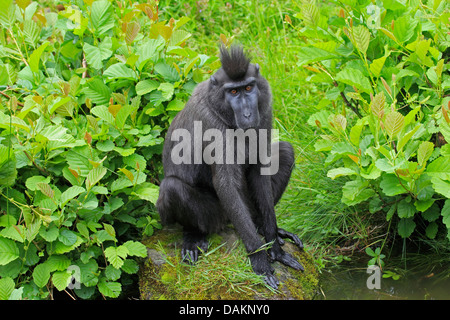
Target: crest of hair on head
<point>234,62</point>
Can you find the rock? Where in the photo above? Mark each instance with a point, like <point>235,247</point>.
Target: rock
<point>223,272</point>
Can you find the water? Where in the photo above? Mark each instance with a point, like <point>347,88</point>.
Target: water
<point>349,282</point>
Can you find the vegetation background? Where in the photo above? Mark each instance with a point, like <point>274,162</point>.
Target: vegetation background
<point>88,89</point>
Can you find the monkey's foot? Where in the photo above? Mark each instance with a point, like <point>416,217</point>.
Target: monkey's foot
<point>193,245</point>
<point>283,234</point>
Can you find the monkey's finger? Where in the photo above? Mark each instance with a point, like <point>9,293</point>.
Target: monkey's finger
<point>272,281</point>
<point>292,236</point>
<point>290,261</point>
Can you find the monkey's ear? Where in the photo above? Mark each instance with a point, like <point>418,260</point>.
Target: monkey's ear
<point>257,68</point>
<point>213,81</point>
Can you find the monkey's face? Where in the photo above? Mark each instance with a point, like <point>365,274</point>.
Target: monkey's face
<point>242,97</point>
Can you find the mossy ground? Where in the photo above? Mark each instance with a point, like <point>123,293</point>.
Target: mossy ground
<point>223,272</point>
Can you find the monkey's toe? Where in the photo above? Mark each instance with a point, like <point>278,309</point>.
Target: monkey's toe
<point>283,234</point>
<point>272,281</point>
<point>193,245</point>
<point>290,261</point>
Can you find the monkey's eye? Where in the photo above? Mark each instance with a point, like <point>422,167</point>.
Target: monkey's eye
<point>248,88</point>
<point>233,91</point>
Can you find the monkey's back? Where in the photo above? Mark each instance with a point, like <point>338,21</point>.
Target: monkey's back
<point>195,110</point>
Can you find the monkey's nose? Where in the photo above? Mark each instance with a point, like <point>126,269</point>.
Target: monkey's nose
<point>247,114</point>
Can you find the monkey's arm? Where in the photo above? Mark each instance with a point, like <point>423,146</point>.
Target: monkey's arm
<point>229,183</point>
<point>262,192</point>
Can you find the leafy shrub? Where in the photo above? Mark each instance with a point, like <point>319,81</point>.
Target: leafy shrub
<point>384,70</point>
<point>88,90</point>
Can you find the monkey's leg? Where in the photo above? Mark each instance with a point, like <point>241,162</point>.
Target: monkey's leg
<point>197,210</point>
<point>230,185</point>
<point>266,191</point>
<point>285,154</point>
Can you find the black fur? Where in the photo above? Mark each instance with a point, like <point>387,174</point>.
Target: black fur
<point>203,197</point>
<point>234,62</point>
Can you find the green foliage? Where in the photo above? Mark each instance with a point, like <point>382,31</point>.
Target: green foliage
<point>384,70</point>
<point>87,95</point>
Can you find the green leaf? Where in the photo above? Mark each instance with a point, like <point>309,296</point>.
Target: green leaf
<point>46,189</point>
<point>95,55</point>
<point>122,115</point>
<point>106,145</point>
<point>15,232</point>
<point>71,193</point>
<point>31,182</point>
<point>406,227</point>
<point>167,90</point>
<point>404,28</point>
<point>406,209</point>
<point>339,172</point>
<point>41,274</point>
<point>136,248</point>
<point>102,16</point>
<point>310,14</point>
<point>432,213</point>
<point>377,65</point>
<point>361,37</point>
<point>424,152</point>
<point>7,13</point>
<point>377,105</point>
<point>97,91</point>
<point>132,31</point>
<point>441,186</point>
<point>446,214</point>
<point>392,185</point>
<point>67,237</point>
<point>109,289</point>
<point>147,191</point>
<point>112,273</point>
<point>50,234</point>
<point>8,172</point>
<point>119,71</point>
<point>440,167</point>
<point>78,163</point>
<point>175,105</point>
<point>35,57</point>
<point>130,266</point>
<point>354,77</point>
<point>94,176</point>
<point>307,55</point>
<point>60,279</point>
<point>146,86</point>
<point>6,288</point>
<point>103,113</point>
<point>169,73</point>
<point>354,192</point>
<point>393,123</point>
<point>116,256</point>
<point>58,263</point>
<point>405,138</point>
<point>31,31</point>
<point>431,230</point>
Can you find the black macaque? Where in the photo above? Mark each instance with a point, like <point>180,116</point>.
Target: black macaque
<point>204,195</point>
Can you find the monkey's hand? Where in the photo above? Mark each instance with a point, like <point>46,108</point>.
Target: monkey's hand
<point>277,254</point>
<point>283,234</point>
<point>261,266</point>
